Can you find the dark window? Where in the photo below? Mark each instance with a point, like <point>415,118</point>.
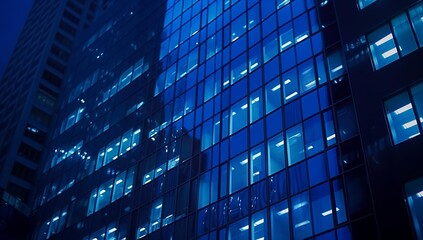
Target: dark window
<point>23,172</point>
<point>29,152</point>
<point>52,78</point>
<point>18,191</point>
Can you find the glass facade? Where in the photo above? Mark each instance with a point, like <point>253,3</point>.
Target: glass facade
<point>213,119</point>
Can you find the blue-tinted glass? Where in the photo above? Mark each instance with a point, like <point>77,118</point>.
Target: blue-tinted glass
<point>292,113</point>
<point>416,14</point>
<point>295,149</point>
<point>314,23</point>
<point>238,68</point>
<point>274,123</point>
<point>279,221</point>
<point>414,191</point>
<point>273,95</point>
<point>269,25</point>
<point>298,7</point>
<point>223,180</point>
<point>338,192</point>
<point>290,85</point>
<point>276,154</point>
<point>382,47</point>
<point>155,215</point>
<point>326,236</point>
<point>313,136</point>
<point>204,190</point>
<point>417,93</point>
<point>206,135</point>
<point>238,174</point>
<point>256,105</point>
<point>335,64</point>
<point>403,34</point>
<point>239,90</point>
<point>267,8</point>
<point>257,164</point>
<point>310,104</point>
<point>344,233</point>
<point>258,196</point>
<point>258,129</point>
<point>324,98</point>
<point>322,208</point>
<point>238,205</point>
<point>255,57</point>
<point>347,126</point>
<point>330,135</point>
<point>239,142</point>
<point>365,3</point>
<point>284,14</point>
<point>104,194</point>
<point>321,70</point>
<point>317,169</point>
<point>271,69</point>
<point>259,226</point>
<point>298,179</point>
<point>203,221</point>
<point>238,27</point>
<point>286,36</point>
<point>239,115</point>
<point>333,163</point>
<point>301,31</point>
<point>317,43</point>
<point>270,47</point>
<point>254,35</point>
<point>239,230</point>
<point>255,79</point>
<point>253,16</point>
<point>301,219</point>
<point>401,118</point>
<point>277,187</point>
<point>239,46</point>
<point>288,59</point>
<point>303,50</point>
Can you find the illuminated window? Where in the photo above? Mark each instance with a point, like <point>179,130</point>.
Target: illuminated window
<point>364,3</point>
<point>382,47</point>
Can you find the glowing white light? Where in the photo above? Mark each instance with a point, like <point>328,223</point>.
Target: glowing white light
<point>109,149</point>
<point>328,212</point>
<point>291,95</point>
<point>337,68</point>
<point>226,83</point>
<point>112,230</point>
<point>384,39</point>
<point>310,147</point>
<point>244,72</point>
<point>137,131</point>
<point>256,173</point>
<point>159,206</point>
<point>299,39</point>
<point>159,170</point>
<point>254,65</point>
<point>55,219</point>
<point>409,124</point>
<point>403,109</point>
<point>283,3</point>
<point>245,106</point>
<point>276,87</point>
<point>280,143</point>
<point>255,100</point>
<point>283,211</point>
<point>142,229</point>
<point>102,192</point>
<point>287,81</point>
<point>310,84</point>
<point>243,162</point>
<point>119,181</point>
<point>261,221</point>
<point>125,140</point>
<point>331,137</point>
<point>420,194</point>
<point>244,228</point>
<point>301,204</point>
<point>286,44</point>
<point>256,155</point>
<point>389,53</point>
<point>302,224</point>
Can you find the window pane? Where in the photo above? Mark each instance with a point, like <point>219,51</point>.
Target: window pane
<point>204,190</point>
<point>313,136</point>
<point>295,141</point>
<point>118,186</point>
<point>338,191</point>
<point>404,34</point>
<point>259,226</point>
<point>238,177</point>
<point>276,155</point>
<point>329,128</point>
<point>301,219</point>
<point>322,208</point>
<point>129,180</point>
<point>317,169</point>
<point>382,47</point>
<point>270,47</point>
<point>335,64</point>
<point>286,36</point>
<point>155,215</point>
<point>279,221</point>
<point>239,116</point>
<point>417,93</point>
<point>307,76</point>
<point>402,122</point>
<point>290,85</point>
<point>104,194</point>
<point>365,3</point>
<point>416,15</point>
<point>239,230</point>
<point>414,190</point>
<point>256,105</point>
<point>257,166</point>
<point>273,95</point>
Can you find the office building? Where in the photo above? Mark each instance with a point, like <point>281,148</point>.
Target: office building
<point>239,119</point>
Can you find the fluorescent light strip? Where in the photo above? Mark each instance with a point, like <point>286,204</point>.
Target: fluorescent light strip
<point>337,68</point>
<point>283,211</point>
<point>276,87</point>
<point>409,124</point>
<point>280,143</point>
<point>403,109</point>
<point>287,81</point>
<point>328,212</point>
<point>389,53</point>
<point>256,155</point>
<point>384,39</point>
<point>245,106</point>
<point>286,44</point>
<point>255,100</point>
<point>302,224</point>
<point>331,137</point>
<point>244,228</point>
<point>291,95</point>
<point>112,230</point>
<point>254,65</point>
<point>243,162</point>
<point>261,221</point>
<point>299,39</point>
<point>420,194</point>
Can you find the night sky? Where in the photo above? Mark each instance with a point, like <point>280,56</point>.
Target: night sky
<point>12,18</point>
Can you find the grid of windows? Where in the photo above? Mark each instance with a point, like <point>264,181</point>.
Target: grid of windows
<point>405,114</point>
<point>398,38</point>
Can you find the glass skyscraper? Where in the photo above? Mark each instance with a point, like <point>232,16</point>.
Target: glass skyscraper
<point>239,119</point>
